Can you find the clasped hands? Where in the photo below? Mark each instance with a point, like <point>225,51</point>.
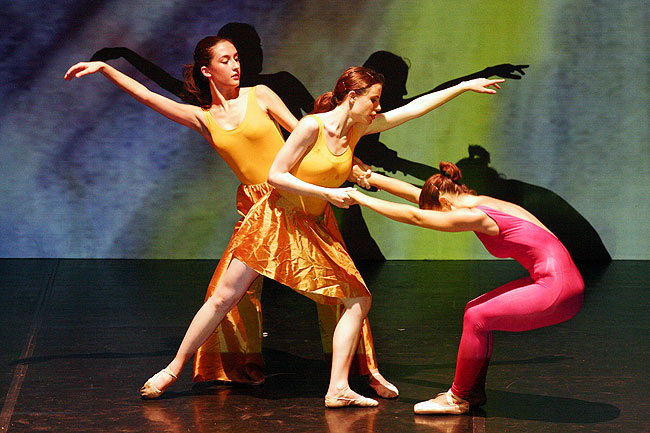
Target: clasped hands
<point>345,197</point>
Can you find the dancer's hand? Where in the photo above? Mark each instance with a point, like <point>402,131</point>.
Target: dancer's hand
<point>356,196</point>
<point>506,70</point>
<point>339,197</point>
<point>360,173</point>
<point>481,85</point>
<point>83,68</point>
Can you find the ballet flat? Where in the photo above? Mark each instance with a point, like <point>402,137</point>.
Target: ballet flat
<point>149,390</point>
<point>385,391</point>
<point>340,400</point>
<point>455,406</point>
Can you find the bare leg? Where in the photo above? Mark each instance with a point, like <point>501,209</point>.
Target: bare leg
<point>230,290</point>
<point>344,346</point>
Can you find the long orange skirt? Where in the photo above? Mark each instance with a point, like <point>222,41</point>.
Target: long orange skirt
<point>238,339</point>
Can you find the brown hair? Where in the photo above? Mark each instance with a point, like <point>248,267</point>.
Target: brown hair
<point>354,78</point>
<point>196,84</point>
<point>448,181</point>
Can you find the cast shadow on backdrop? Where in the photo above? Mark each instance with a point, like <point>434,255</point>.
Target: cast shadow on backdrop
<point>297,98</point>
<point>575,232</point>
<point>580,238</point>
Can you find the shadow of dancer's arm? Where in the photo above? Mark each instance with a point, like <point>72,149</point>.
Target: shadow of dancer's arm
<point>147,68</point>
<point>504,70</point>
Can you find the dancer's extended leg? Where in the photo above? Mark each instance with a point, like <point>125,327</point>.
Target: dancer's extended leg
<point>365,359</point>
<point>231,288</point>
<point>344,347</point>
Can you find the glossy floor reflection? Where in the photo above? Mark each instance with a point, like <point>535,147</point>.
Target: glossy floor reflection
<point>81,336</point>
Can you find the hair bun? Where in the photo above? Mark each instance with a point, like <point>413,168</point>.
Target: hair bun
<point>450,170</point>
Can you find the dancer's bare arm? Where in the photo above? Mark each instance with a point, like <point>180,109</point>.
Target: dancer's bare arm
<point>424,104</point>
<point>366,178</point>
<point>458,220</point>
<point>188,115</point>
<point>299,143</point>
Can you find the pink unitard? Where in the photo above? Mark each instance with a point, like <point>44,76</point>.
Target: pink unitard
<point>552,294</point>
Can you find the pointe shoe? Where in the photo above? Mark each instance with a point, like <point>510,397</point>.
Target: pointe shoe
<point>450,404</point>
<point>383,388</point>
<point>149,390</point>
<point>341,400</point>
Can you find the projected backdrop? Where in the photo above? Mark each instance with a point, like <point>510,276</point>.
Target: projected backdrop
<point>88,172</point>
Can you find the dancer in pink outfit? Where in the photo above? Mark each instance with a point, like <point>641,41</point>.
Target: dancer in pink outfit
<point>553,292</point>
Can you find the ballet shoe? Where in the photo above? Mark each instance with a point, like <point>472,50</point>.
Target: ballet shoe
<point>149,390</point>
<point>341,400</point>
<point>443,403</point>
<point>383,388</point>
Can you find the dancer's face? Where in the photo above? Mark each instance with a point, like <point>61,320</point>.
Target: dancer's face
<point>224,68</point>
<point>366,106</point>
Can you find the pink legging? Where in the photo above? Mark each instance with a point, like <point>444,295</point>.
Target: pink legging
<point>520,305</point>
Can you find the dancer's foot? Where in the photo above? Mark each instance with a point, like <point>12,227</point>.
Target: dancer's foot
<point>347,397</point>
<point>158,383</point>
<point>443,403</point>
<point>382,387</point>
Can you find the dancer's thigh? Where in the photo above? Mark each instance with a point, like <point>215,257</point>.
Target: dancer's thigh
<point>234,282</point>
<point>520,305</point>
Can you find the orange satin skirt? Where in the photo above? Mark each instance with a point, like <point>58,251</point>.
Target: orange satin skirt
<point>303,251</point>
<point>238,339</point>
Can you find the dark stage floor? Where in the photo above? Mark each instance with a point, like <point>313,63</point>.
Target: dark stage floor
<point>81,336</point>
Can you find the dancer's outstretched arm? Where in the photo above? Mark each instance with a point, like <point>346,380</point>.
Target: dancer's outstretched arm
<point>363,176</point>
<point>188,115</point>
<point>458,220</point>
<point>424,104</point>
<point>147,68</point>
<point>504,70</point>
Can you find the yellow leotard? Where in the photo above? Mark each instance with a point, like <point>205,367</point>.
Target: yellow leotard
<point>250,148</point>
<point>319,166</point>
